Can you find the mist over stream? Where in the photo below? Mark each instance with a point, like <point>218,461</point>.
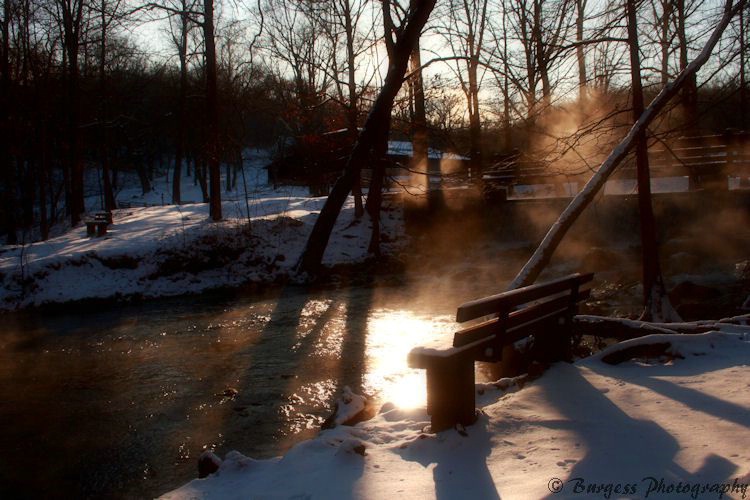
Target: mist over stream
<point>118,401</point>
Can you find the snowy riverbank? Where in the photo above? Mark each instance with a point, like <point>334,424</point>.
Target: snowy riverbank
<point>175,249</point>
<point>674,426</point>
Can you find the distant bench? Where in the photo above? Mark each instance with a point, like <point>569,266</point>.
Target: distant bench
<point>98,223</point>
<point>544,310</point>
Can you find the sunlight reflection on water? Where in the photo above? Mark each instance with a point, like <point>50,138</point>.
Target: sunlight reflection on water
<point>391,335</point>
<point>150,382</point>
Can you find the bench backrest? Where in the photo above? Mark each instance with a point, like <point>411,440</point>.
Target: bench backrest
<point>508,301</point>
<point>541,302</point>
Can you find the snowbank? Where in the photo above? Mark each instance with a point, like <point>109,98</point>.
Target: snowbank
<point>172,250</point>
<point>643,428</point>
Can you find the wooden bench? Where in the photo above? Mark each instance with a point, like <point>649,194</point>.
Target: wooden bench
<point>97,225</point>
<point>544,311</point>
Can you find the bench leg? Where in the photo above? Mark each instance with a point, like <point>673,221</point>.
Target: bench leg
<point>451,394</point>
<point>90,230</point>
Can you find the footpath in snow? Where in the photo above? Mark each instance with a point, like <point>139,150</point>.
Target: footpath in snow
<point>675,426</point>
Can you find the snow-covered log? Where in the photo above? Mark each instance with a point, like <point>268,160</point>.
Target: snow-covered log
<point>623,328</point>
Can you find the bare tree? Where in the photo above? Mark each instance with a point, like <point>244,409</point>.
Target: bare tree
<point>655,299</point>
<point>374,136</point>
<point>73,20</point>
<point>580,55</point>
<point>5,159</point>
<point>464,29</point>
<point>297,47</point>
<point>212,112</point>
<point>344,23</point>
<point>109,13</point>
<point>743,65</point>
<point>554,236</point>
<point>180,25</point>
<point>541,26</point>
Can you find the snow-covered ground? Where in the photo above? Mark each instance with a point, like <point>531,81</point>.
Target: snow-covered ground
<point>673,425</point>
<point>163,250</point>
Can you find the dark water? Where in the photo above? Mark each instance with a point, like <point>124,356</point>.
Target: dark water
<point>120,401</point>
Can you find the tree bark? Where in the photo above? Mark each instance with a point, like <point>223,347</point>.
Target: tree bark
<point>420,141</point>
<point>109,197</point>
<point>179,153</point>
<point>6,163</point>
<point>655,300</point>
<point>475,124</point>
<point>743,82</point>
<point>543,253</point>
<point>690,90</point>
<point>375,131</point>
<point>352,110</point>
<point>212,112</point>
<point>580,56</point>
<point>72,18</point>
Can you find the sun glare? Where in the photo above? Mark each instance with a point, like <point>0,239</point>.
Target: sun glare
<point>392,334</point>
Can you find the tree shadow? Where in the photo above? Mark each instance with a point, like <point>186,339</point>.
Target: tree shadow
<point>353,358</point>
<point>696,400</point>
<point>636,449</point>
<point>270,370</point>
<point>309,350</point>
<point>460,461</point>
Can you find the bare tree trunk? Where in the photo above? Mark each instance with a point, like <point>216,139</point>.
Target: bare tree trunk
<point>43,177</point>
<point>655,299</point>
<point>181,115</point>
<point>543,253</point>
<point>212,111</point>
<point>6,164</point>
<point>72,13</point>
<point>664,38</point>
<point>143,176</point>
<point>475,124</point>
<point>420,140</point>
<point>506,87</point>
<point>353,108</point>
<point>374,132</point>
<point>109,197</point>
<point>200,178</point>
<point>690,91</point>
<point>743,82</point>
<point>580,56</point>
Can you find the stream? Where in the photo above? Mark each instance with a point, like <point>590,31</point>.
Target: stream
<point>120,401</point>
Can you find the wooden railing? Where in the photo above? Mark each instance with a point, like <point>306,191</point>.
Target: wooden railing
<point>706,160</point>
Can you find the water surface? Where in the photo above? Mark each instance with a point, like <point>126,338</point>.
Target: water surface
<point>119,402</point>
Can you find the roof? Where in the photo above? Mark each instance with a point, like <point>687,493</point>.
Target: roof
<point>405,148</point>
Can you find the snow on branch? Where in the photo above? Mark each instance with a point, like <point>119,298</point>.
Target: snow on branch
<point>554,236</point>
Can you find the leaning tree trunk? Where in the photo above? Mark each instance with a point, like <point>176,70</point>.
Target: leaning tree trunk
<point>375,131</point>
<point>542,255</point>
